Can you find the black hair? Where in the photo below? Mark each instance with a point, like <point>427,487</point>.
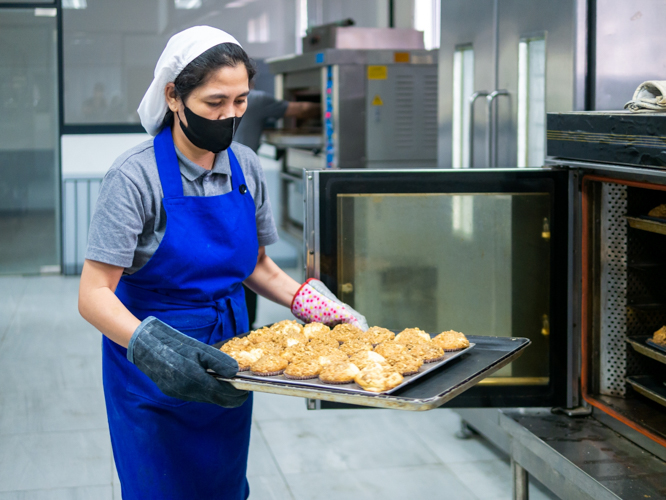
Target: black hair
<point>197,72</point>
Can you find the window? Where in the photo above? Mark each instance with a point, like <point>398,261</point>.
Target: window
<point>427,19</point>
<point>531,102</point>
<point>110,48</point>
<point>463,88</point>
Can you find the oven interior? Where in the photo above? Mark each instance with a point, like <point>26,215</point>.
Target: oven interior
<point>626,302</point>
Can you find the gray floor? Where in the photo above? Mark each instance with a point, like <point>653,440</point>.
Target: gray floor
<point>54,441</point>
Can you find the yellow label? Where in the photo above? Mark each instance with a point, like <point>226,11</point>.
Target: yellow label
<point>377,101</point>
<point>377,72</point>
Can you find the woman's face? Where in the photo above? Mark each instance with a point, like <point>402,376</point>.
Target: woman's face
<point>223,95</point>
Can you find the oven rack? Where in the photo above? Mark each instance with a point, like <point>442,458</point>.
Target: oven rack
<point>646,223</point>
<point>648,387</point>
<point>640,346</point>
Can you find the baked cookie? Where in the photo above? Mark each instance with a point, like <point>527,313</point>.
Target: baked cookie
<point>312,330</point>
<point>390,348</point>
<point>429,353</point>
<point>246,358</point>
<point>235,344</point>
<point>354,345</point>
<point>261,335</point>
<point>342,372</point>
<point>405,364</point>
<point>269,347</point>
<point>378,378</point>
<point>451,341</point>
<point>323,343</point>
<point>659,336</point>
<point>376,335</point>
<point>344,332</point>
<point>269,365</point>
<point>411,337</point>
<point>303,370</point>
<point>286,327</point>
<point>332,357</point>
<point>294,351</point>
<point>365,358</point>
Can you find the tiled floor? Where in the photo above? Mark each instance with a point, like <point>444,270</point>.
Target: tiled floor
<point>54,441</point>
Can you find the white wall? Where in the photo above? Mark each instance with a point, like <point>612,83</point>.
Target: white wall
<point>91,155</point>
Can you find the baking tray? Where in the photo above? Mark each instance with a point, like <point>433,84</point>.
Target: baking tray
<point>645,346</point>
<point>353,386</point>
<point>648,387</point>
<point>647,223</point>
<point>430,391</point>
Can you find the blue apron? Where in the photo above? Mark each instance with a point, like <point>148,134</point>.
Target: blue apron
<point>166,448</point>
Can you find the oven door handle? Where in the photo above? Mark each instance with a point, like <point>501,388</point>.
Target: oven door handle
<point>472,101</point>
<point>491,130</point>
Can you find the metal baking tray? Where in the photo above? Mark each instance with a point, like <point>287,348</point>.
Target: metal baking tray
<point>648,387</point>
<point>353,386</point>
<point>646,347</point>
<point>647,223</point>
<point>431,390</point>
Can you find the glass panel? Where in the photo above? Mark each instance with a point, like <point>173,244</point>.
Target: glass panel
<point>463,88</point>
<point>531,103</point>
<point>478,263</point>
<point>427,19</point>
<point>111,48</point>
<point>28,142</point>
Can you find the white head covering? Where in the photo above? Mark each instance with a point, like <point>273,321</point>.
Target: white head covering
<point>181,50</point>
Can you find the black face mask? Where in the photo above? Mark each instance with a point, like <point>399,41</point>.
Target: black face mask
<point>211,135</point>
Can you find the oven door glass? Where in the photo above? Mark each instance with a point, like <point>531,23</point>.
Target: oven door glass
<point>481,252</point>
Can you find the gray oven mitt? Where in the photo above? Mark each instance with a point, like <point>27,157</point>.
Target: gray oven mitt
<point>178,363</point>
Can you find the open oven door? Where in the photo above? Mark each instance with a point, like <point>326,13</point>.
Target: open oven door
<point>484,252</point>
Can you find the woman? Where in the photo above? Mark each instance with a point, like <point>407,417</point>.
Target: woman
<point>180,223</point>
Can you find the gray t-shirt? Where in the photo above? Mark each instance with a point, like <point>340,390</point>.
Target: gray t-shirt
<point>261,107</point>
<point>129,220</point>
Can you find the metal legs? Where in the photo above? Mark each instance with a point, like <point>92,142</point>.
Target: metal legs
<point>520,482</point>
<point>465,431</point>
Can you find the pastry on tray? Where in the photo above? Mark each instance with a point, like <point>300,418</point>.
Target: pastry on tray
<point>344,332</point>
<point>429,353</point>
<point>302,370</point>
<point>659,337</point>
<point>412,336</point>
<point>332,357</point>
<point>261,335</point>
<point>376,335</point>
<point>354,345</point>
<point>451,341</point>
<point>390,348</point>
<point>342,372</point>
<point>365,358</point>
<point>378,377</point>
<point>659,212</point>
<point>312,330</point>
<point>405,364</point>
<point>268,365</point>
<point>245,358</point>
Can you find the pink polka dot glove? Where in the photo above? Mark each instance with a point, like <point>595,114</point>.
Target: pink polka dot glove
<point>314,302</point>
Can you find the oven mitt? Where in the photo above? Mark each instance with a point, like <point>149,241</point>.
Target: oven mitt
<point>315,302</point>
<point>178,363</point>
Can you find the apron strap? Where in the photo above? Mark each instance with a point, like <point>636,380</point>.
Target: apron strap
<point>236,171</point>
<point>167,164</point>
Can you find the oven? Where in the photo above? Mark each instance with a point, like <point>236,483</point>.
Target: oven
<point>379,110</point>
<point>565,255</point>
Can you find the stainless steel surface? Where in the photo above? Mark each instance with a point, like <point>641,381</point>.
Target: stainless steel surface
<point>472,101</point>
<point>613,286</point>
<point>434,391</point>
<point>581,458</point>
<point>292,206</point>
<point>621,67</point>
<point>311,234</point>
<point>486,422</point>
<point>352,387</point>
<point>645,224</point>
<point>580,56</point>
<point>285,139</point>
<point>356,37</point>
<point>521,489</point>
<point>574,273</point>
<point>636,174</point>
<point>495,43</point>
<point>491,127</point>
<point>463,23</point>
<point>641,347</point>
<point>297,159</point>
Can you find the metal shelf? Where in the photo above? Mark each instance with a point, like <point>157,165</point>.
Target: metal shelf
<point>639,345</point>
<point>648,387</point>
<point>645,223</point>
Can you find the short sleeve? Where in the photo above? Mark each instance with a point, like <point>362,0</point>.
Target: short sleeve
<point>117,222</point>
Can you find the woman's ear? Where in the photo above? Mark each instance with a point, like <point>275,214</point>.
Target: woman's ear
<point>170,96</point>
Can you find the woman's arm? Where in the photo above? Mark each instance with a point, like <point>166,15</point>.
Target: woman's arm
<point>99,305</point>
<point>269,281</point>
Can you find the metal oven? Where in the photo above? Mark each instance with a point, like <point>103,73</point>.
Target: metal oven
<point>563,255</point>
<point>379,108</point>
